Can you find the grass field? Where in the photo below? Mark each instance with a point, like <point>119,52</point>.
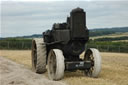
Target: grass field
<point>114,68</point>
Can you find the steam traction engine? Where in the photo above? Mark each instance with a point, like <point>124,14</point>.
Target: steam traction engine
<point>60,49</point>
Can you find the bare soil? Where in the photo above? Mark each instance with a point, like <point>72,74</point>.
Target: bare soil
<point>12,73</point>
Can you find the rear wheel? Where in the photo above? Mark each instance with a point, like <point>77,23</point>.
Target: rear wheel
<point>93,55</point>
<point>56,64</point>
<point>38,55</point>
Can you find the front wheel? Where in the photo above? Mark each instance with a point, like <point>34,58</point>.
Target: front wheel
<point>56,64</point>
<point>93,55</point>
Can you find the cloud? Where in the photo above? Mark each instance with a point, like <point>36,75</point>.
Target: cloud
<point>26,18</point>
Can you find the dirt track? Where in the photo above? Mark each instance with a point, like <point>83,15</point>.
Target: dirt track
<point>12,73</point>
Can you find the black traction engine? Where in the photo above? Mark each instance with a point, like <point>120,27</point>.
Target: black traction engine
<point>60,48</point>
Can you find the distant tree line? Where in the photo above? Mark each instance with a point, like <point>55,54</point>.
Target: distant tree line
<point>92,32</point>
<point>106,31</point>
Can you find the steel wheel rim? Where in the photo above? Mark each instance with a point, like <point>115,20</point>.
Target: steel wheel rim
<point>89,57</point>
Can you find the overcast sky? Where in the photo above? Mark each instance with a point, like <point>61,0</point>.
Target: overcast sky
<point>33,17</point>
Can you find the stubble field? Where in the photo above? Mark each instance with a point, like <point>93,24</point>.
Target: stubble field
<point>114,68</point>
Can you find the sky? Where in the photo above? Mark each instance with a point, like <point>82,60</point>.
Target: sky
<point>27,17</point>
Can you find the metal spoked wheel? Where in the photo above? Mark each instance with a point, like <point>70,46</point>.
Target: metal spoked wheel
<point>38,55</point>
<point>93,55</point>
<point>56,64</point>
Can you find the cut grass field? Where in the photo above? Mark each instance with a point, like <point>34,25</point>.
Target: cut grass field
<point>124,34</point>
<point>114,68</point>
